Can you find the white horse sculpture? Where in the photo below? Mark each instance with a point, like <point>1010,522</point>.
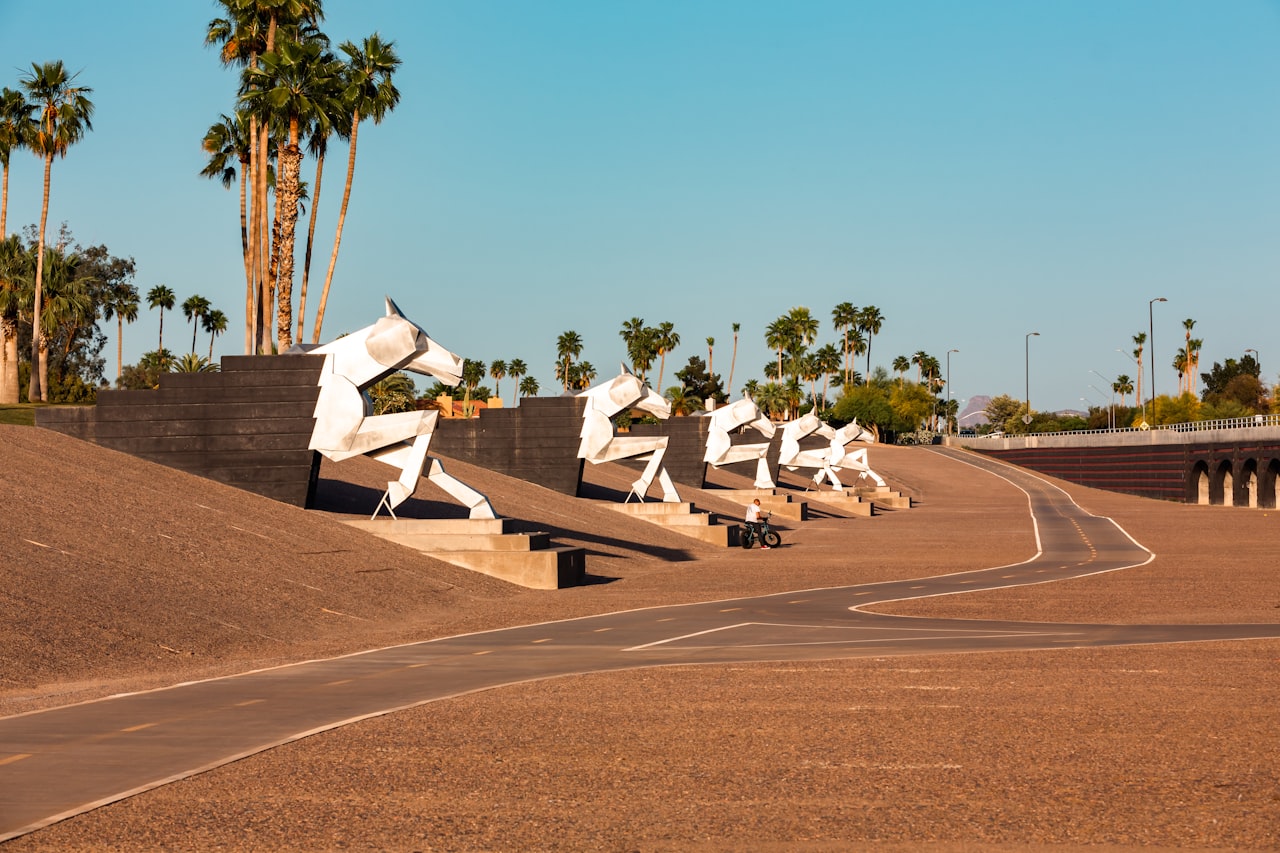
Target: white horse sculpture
<point>830,459</point>
<point>722,451</point>
<point>345,423</point>
<point>601,443</point>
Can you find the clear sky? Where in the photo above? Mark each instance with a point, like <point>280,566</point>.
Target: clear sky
<point>978,170</point>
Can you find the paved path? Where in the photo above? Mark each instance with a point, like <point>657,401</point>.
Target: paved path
<point>64,761</point>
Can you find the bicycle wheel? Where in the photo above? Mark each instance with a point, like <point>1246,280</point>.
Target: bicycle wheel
<point>773,540</point>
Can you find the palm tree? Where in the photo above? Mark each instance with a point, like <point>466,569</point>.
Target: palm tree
<point>711,344</point>
<point>15,128</point>
<point>369,94</point>
<point>63,116</point>
<point>771,398</point>
<point>528,387</point>
<point>683,402</point>
<point>804,327</point>
<point>568,347</point>
<point>777,337</point>
<point>733,361</point>
<point>584,373</point>
<point>828,362</point>
<point>919,360</point>
<point>215,323</point>
<point>1122,386</point>
<point>160,297</point>
<point>1180,365</point>
<point>901,364</point>
<point>667,339</point>
<point>750,388</point>
<point>193,309</point>
<point>120,302</point>
<point>192,363</point>
<point>1193,358</point>
<point>870,322</point>
<point>1139,340</point>
<point>293,88</point>
<point>515,369</point>
<point>15,303</point>
<point>845,316</point>
<point>497,369</point>
<point>229,142</point>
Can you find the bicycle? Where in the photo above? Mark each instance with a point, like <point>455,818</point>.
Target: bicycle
<point>771,537</point>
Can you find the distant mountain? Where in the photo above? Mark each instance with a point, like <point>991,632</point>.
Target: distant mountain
<point>975,413</point>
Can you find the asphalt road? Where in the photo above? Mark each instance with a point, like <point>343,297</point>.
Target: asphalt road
<point>64,761</point>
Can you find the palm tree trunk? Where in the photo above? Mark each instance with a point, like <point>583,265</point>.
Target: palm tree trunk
<point>733,361</point>
<point>160,345</point>
<point>8,362</point>
<point>37,388</point>
<point>342,218</point>
<point>245,169</point>
<point>311,237</point>
<point>290,159</point>
<point>119,347</point>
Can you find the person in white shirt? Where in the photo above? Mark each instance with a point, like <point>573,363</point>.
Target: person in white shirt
<point>754,516</point>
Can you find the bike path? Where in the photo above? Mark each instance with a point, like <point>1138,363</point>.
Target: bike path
<point>64,761</point>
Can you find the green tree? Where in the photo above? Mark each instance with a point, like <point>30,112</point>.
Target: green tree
<point>827,361</point>
<point>528,387</point>
<point>1003,409</point>
<point>369,94</point>
<point>869,404</point>
<point>901,364</point>
<point>63,114</point>
<point>698,383</point>
<point>516,368</point>
<point>1122,386</point>
<point>394,393</point>
<point>682,401</point>
<point>192,363</point>
<point>122,303</point>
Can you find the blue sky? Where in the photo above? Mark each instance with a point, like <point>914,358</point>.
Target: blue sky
<point>976,170</point>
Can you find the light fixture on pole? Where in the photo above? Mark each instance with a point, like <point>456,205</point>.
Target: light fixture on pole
<point>1103,394</point>
<point>1111,413</point>
<point>1026,419</point>
<point>948,415</point>
<point>1256,357</point>
<point>1151,337</point>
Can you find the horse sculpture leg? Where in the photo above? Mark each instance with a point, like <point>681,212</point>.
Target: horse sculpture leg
<point>640,487</point>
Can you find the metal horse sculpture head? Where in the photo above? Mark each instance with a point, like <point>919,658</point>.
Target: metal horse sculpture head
<point>626,391</point>
<point>398,343</point>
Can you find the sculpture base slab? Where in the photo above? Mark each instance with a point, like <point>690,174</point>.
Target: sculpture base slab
<point>487,546</point>
<point>780,505</point>
<point>683,518</point>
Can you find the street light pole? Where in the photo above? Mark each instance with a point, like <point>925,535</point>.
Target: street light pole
<point>948,415</point>
<point>1026,419</point>
<point>1111,413</point>
<point>1151,336</point>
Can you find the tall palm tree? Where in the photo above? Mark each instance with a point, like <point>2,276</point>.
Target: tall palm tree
<point>568,347</point>
<point>160,297</point>
<point>1193,359</point>
<point>215,323</point>
<point>870,321</point>
<point>804,327</point>
<point>711,345</point>
<point>733,360</point>
<point>193,309</point>
<point>1180,366</point>
<point>844,317</point>
<point>120,302</point>
<point>497,369</point>
<point>515,369</point>
<point>63,115</point>
<point>638,340</point>
<point>15,129</point>
<point>369,94</point>
<point>667,339</point>
<point>293,86</point>
<point>227,143</point>
<point>1188,324</point>
<point>248,32</point>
